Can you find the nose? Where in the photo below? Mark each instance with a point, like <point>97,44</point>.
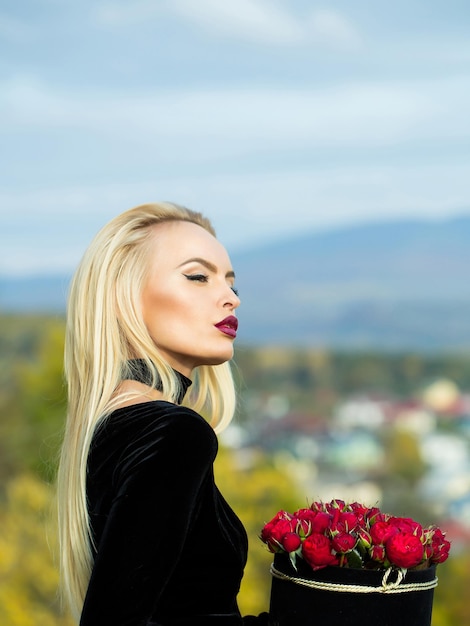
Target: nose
<point>232,301</point>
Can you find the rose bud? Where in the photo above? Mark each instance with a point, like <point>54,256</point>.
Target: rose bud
<point>440,552</point>
<point>346,522</point>
<point>266,533</point>
<point>377,553</point>
<point>364,537</point>
<point>291,542</point>
<point>428,551</point>
<point>321,522</point>
<point>303,528</point>
<point>280,529</point>
<point>343,543</point>
<point>437,535</point>
<point>374,515</point>
<point>305,514</point>
<point>359,510</point>
<point>337,504</point>
<point>273,533</point>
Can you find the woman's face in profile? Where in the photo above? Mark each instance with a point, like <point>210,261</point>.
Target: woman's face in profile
<point>188,300</point>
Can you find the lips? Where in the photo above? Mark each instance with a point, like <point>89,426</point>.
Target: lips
<point>228,326</point>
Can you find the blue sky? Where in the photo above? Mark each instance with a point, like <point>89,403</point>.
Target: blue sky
<point>273,117</point>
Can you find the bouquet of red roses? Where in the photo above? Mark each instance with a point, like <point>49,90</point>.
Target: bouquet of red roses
<point>353,535</point>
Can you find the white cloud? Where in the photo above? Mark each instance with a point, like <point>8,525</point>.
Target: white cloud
<point>214,122</point>
<point>114,13</point>
<point>332,28</point>
<point>259,21</point>
<point>254,20</point>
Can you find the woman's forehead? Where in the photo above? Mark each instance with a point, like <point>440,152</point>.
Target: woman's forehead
<point>180,241</point>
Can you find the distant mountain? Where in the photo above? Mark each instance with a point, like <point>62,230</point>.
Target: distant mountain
<point>396,285</point>
<point>33,294</point>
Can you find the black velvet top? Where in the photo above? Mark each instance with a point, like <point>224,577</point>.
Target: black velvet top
<point>168,548</point>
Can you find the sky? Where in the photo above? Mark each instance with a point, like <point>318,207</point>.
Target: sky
<point>273,117</point>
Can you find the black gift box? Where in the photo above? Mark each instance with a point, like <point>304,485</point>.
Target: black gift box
<point>349,597</point>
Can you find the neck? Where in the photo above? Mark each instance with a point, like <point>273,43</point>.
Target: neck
<point>138,370</point>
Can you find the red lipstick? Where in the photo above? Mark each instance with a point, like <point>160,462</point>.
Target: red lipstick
<point>228,326</point>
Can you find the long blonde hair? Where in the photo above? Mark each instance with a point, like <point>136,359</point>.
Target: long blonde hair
<point>104,330</point>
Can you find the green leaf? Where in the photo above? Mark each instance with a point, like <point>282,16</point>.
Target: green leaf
<point>292,556</point>
<point>354,559</point>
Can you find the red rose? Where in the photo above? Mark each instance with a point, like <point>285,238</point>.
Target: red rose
<point>317,551</point>
<point>364,537</point>
<point>440,547</point>
<point>377,553</point>
<point>280,529</point>
<point>335,504</point>
<point>291,542</point>
<point>303,528</point>
<point>321,522</point>
<point>358,509</point>
<point>267,529</point>
<point>345,522</point>
<point>353,535</point>
<point>404,550</point>
<point>380,532</point>
<point>407,525</point>
<point>305,514</point>
<point>343,543</point>
<point>274,531</point>
<point>441,554</point>
<point>304,518</point>
<point>436,534</point>
<point>374,515</point>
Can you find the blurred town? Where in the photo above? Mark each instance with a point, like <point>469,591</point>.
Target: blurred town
<point>411,454</point>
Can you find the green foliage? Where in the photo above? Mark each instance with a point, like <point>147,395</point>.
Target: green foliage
<point>344,373</point>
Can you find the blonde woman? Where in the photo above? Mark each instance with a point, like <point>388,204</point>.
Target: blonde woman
<point>146,537</point>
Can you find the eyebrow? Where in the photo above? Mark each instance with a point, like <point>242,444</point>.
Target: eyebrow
<point>210,266</point>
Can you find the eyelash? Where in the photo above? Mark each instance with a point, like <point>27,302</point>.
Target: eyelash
<point>202,278</point>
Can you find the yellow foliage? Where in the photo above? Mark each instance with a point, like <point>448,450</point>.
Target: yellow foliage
<point>28,574</point>
<point>451,606</point>
<point>256,490</point>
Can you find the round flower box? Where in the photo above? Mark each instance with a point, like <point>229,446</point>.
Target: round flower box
<point>349,596</point>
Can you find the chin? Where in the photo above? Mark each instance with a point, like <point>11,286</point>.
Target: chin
<point>217,359</point>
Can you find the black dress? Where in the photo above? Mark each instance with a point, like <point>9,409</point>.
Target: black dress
<point>169,549</point>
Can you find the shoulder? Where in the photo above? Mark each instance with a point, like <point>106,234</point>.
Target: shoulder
<point>160,416</point>
<point>153,431</point>
<point>145,448</point>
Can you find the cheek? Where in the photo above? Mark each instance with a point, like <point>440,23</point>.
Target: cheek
<point>163,312</point>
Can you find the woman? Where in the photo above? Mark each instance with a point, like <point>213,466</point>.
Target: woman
<point>146,537</point>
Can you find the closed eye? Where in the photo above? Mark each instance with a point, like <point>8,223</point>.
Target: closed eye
<point>201,278</point>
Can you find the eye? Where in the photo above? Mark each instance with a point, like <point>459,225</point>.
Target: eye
<point>235,290</point>
<point>200,278</point>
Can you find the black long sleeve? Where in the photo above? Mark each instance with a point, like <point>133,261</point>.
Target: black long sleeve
<point>169,549</point>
